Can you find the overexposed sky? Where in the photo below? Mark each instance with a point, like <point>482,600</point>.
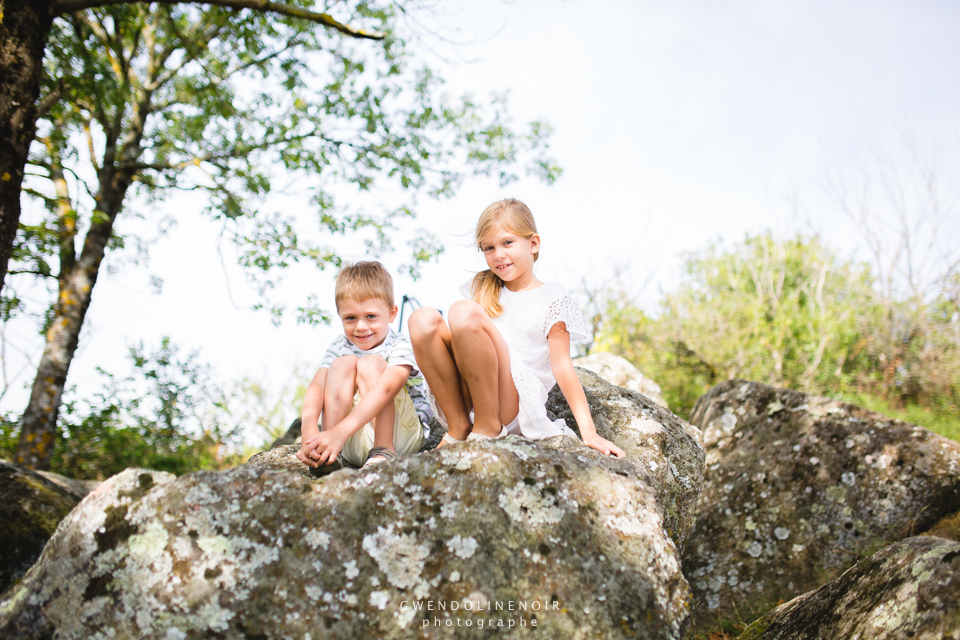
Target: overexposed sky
<point>677,124</point>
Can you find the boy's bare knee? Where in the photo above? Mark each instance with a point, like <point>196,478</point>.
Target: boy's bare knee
<point>466,315</point>
<point>424,322</point>
<point>344,364</point>
<point>369,368</point>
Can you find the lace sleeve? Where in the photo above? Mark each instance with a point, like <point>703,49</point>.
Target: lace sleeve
<point>466,289</point>
<point>565,310</point>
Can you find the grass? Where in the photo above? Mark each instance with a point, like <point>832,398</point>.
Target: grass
<point>947,425</point>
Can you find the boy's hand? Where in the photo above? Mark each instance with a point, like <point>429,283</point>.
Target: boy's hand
<point>603,445</point>
<point>322,449</point>
<point>303,455</point>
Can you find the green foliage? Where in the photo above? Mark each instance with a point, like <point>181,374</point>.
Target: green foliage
<point>791,313</point>
<point>230,104</point>
<point>167,414</point>
<point>683,376</point>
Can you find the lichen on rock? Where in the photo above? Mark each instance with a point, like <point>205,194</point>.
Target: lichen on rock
<point>798,488</point>
<point>578,547</point>
<point>668,451</point>
<point>910,589</point>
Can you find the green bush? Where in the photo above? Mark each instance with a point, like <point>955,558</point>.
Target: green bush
<point>167,414</point>
<point>791,313</point>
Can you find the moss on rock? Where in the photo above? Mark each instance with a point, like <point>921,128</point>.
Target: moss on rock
<point>31,506</point>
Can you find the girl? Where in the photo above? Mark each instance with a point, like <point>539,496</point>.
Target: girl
<point>506,344</point>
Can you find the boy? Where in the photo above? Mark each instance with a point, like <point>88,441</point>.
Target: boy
<point>368,388</point>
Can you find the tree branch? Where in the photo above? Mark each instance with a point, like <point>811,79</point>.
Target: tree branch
<point>237,152</point>
<point>32,272</point>
<point>50,99</point>
<point>69,6</point>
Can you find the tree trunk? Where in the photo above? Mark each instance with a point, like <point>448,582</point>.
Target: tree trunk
<point>38,427</point>
<point>24,26</point>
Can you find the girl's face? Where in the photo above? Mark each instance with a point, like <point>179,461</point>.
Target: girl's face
<point>508,255</point>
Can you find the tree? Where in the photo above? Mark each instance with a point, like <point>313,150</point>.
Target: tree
<point>156,98</point>
<point>25,26</point>
<point>908,216</point>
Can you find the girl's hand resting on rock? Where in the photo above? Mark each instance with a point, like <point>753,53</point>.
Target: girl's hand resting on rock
<point>603,445</point>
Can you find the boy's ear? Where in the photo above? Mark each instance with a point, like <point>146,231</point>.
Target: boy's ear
<point>393,313</point>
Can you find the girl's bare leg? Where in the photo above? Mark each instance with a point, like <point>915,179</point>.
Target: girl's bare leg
<point>369,370</point>
<point>339,391</point>
<point>485,367</point>
<point>433,348</point>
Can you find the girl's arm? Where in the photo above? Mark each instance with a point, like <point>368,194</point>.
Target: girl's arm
<point>566,376</point>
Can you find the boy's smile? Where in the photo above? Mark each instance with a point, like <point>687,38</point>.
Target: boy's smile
<point>366,322</point>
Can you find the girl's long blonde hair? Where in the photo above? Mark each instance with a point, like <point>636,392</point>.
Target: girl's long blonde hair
<point>516,218</point>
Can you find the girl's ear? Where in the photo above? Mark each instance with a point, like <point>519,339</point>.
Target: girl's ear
<point>535,243</point>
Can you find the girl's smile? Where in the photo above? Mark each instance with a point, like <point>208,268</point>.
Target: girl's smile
<point>511,257</point>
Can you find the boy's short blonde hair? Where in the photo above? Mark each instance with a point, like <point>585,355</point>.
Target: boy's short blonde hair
<point>364,281</point>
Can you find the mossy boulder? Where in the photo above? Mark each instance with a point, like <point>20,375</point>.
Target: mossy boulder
<point>910,589</point>
<point>799,488</point>
<point>32,503</point>
<point>540,539</point>
<point>666,449</point>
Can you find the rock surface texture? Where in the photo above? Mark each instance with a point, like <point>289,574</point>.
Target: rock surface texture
<point>618,371</point>
<point>470,540</point>
<point>910,589</point>
<point>669,449</point>
<point>798,489</point>
<point>31,505</point>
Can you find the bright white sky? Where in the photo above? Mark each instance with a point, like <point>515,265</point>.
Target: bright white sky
<point>677,123</point>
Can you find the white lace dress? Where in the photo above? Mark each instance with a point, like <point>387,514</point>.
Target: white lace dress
<point>524,324</point>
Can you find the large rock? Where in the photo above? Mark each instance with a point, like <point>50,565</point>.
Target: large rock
<point>32,503</point>
<point>669,450</point>
<point>509,532</point>
<point>799,488</point>
<point>911,589</point>
<point>618,371</point>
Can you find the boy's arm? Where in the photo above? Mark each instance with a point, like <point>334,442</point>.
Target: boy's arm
<point>312,407</point>
<point>388,385</point>
<point>569,383</point>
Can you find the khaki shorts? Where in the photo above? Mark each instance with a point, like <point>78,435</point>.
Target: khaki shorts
<point>407,432</point>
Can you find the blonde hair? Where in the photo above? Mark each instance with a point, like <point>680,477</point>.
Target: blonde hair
<point>515,217</point>
<point>364,281</point>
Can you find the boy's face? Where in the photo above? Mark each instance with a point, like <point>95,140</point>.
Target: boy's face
<point>365,322</point>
